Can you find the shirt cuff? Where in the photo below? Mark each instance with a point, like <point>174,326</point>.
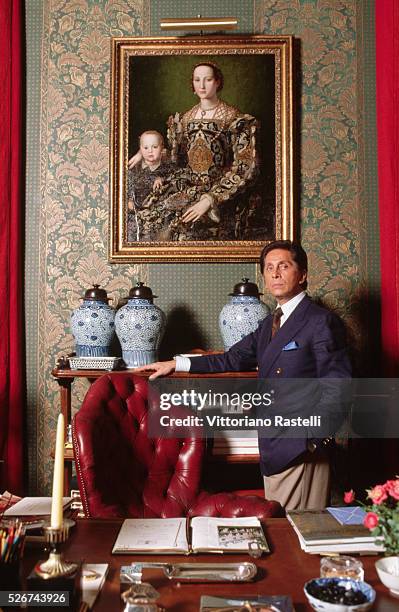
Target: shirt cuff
<point>183,364</point>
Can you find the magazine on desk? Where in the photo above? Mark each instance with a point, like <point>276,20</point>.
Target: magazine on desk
<point>184,536</point>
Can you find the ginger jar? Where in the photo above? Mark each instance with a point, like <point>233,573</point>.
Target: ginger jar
<point>242,314</point>
<point>140,326</point>
<point>93,324</point>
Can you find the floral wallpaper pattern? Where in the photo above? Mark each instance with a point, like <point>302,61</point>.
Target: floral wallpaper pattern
<point>74,164</point>
<point>332,219</point>
<point>75,161</point>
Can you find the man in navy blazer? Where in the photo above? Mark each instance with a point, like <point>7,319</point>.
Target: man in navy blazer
<point>301,340</point>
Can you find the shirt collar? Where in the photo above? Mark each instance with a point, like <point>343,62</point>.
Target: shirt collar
<point>290,306</point>
<point>144,165</point>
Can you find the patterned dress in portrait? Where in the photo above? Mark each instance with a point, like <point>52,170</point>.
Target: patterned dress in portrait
<point>140,183</point>
<point>216,157</point>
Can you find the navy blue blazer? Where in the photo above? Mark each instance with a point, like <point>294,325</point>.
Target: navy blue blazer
<point>320,352</point>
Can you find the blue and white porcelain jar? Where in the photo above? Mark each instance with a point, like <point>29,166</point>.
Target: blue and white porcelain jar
<point>243,314</point>
<point>140,326</point>
<point>93,324</point>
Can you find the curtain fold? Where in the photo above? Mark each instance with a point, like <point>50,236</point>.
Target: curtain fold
<point>387,70</point>
<point>12,376</point>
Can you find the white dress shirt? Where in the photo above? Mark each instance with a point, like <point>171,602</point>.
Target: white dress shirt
<point>289,307</point>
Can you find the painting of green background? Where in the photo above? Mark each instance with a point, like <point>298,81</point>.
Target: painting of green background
<point>161,86</point>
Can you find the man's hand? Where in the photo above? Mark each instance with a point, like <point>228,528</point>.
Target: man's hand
<point>197,210</point>
<point>160,368</point>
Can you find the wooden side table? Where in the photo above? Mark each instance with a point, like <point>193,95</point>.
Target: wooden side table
<point>65,378</point>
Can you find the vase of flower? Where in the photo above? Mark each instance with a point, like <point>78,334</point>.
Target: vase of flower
<point>242,314</point>
<point>92,324</point>
<point>139,327</point>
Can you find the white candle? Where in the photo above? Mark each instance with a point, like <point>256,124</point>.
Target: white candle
<point>58,478</point>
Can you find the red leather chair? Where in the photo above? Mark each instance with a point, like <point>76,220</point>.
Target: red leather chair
<point>122,472</point>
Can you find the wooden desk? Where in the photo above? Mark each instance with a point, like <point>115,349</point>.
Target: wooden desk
<point>65,378</point>
<point>283,572</point>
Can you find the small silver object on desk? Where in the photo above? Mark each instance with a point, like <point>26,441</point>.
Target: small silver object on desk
<point>194,572</point>
<point>141,598</point>
<point>254,550</point>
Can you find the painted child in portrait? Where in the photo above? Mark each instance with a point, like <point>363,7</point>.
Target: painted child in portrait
<point>146,177</point>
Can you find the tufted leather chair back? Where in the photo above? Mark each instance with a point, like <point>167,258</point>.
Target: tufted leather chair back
<point>121,471</point>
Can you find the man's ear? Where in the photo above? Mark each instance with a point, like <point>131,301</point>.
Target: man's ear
<point>304,278</point>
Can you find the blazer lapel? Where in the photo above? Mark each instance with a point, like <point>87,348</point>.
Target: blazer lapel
<point>293,324</point>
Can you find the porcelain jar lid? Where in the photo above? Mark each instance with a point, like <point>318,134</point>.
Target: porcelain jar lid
<point>96,294</point>
<point>141,292</point>
<point>246,288</point>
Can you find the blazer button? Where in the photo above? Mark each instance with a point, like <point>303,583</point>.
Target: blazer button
<point>279,371</point>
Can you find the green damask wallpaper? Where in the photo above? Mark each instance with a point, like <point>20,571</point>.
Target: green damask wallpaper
<point>74,170</point>
<point>67,219</point>
<point>329,212</point>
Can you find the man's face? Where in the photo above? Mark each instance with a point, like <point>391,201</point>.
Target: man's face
<point>282,276</point>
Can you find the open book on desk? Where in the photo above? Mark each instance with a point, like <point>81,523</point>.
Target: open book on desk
<point>184,536</point>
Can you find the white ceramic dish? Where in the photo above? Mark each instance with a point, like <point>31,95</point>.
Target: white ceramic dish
<point>93,363</point>
<point>388,572</point>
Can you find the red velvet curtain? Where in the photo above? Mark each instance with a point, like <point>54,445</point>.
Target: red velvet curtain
<point>387,68</point>
<point>12,379</point>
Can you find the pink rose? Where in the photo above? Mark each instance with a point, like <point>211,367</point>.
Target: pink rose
<point>392,487</point>
<point>349,496</point>
<point>371,520</point>
<point>377,494</point>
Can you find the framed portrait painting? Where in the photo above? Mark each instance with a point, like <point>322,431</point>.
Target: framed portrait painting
<point>201,157</point>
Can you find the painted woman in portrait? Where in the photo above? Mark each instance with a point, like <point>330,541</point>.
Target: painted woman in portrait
<point>213,145</point>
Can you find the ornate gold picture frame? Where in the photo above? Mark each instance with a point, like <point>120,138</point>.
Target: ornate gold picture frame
<point>218,112</point>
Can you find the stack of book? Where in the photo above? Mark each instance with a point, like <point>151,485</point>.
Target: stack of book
<point>319,532</point>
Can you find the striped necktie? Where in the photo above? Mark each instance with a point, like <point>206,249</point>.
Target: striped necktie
<point>277,314</point>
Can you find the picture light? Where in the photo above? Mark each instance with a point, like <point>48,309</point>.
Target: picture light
<point>200,23</point>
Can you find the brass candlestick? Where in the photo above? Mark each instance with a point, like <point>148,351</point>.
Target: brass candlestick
<point>55,566</point>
